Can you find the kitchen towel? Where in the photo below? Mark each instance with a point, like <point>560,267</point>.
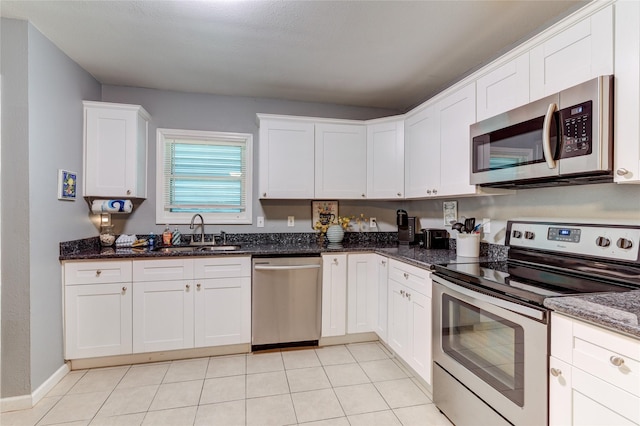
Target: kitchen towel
<point>111,206</point>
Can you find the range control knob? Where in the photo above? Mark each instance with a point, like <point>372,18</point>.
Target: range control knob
<point>623,243</point>
<point>529,235</point>
<point>603,242</point>
<point>516,234</point>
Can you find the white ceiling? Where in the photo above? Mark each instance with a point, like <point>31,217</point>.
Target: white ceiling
<point>390,54</point>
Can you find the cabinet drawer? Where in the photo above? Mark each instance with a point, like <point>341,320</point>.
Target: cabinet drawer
<point>611,357</point>
<point>413,277</point>
<point>222,267</point>
<point>97,272</point>
<point>163,270</point>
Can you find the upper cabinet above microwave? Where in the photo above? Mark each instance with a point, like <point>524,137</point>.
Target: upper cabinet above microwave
<point>115,150</point>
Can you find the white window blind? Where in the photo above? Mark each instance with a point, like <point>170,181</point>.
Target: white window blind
<point>206,173</point>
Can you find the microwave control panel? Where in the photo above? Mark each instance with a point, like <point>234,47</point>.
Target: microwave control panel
<point>576,125</point>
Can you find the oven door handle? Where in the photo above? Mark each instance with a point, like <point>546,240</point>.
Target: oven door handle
<point>546,136</point>
<point>514,307</point>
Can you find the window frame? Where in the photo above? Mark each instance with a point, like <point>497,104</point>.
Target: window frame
<point>166,217</point>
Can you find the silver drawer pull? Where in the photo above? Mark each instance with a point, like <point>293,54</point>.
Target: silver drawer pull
<point>199,285</point>
<point>124,289</point>
<point>406,276</point>
<point>98,272</point>
<point>409,296</point>
<point>402,293</point>
<point>188,286</point>
<point>616,360</point>
<point>555,372</point>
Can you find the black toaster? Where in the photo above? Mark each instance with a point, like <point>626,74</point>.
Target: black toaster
<point>435,239</point>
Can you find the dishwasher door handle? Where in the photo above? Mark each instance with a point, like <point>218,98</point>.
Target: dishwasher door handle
<point>284,267</point>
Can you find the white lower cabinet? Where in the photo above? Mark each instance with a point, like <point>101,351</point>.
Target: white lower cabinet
<point>334,295</point>
<point>362,293</point>
<point>594,375</point>
<point>409,333</point>
<point>97,308</point>
<point>124,307</point>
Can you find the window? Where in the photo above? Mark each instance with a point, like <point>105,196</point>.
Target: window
<point>203,172</point>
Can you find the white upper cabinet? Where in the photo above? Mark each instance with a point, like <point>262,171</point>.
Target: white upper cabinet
<point>627,92</point>
<point>341,161</point>
<point>385,159</point>
<point>454,114</point>
<point>421,153</point>
<point>287,159</point>
<point>576,54</point>
<point>115,150</point>
<point>504,88</point>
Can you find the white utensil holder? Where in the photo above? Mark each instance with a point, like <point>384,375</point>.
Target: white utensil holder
<point>468,245</point>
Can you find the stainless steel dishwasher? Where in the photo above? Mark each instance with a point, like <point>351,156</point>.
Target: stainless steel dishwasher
<point>285,305</point>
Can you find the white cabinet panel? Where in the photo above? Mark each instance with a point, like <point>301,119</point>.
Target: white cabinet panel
<point>385,160</point>
<point>576,54</point>
<point>223,311</point>
<point>162,315</point>
<point>97,320</point>
<point>334,295</point>
<point>222,267</point>
<point>420,337</point>
<point>287,159</point>
<point>382,322</point>
<point>504,88</point>
<point>341,161</point>
<point>163,269</point>
<point>627,92</point>
<point>398,333</point>
<point>115,150</point>
<point>362,293</point>
<point>102,272</point>
<point>422,154</point>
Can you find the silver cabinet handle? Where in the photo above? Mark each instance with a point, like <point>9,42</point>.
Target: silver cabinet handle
<point>616,360</point>
<point>188,286</point>
<point>622,171</point>
<point>363,195</point>
<point>124,289</point>
<point>98,272</point>
<point>335,260</point>
<point>264,194</point>
<point>555,372</point>
<point>428,192</point>
<point>199,285</point>
<point>402,293</point>
<point>128,192</point>
<point>409,296</point>
<point>435,191</point>
<point>383,262</point>
<point>406,276</point>
<point>399,194</point>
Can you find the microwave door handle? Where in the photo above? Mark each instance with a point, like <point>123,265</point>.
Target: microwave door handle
<point>546,136</point>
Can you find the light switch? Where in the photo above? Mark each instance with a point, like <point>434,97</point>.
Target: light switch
<point>290,221</point>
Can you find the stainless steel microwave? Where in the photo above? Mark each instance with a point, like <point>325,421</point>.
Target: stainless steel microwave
<point>562,139</point>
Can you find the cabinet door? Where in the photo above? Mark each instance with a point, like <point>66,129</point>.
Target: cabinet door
<point>385,160</point>
<point>454,115</point>
<point>222,311</point>
<point>362,293</point>
<point>560,412</point>
<point>504,88</point>
<point>334,295</point>
<point>341,161</point>
<point>577,54</point>
<point>381,324</point>
<point>115,148</point>
<point>398,333</point>
<point>421,155</point>
<point>627,92</point>
<point>97,320</point>
<point>419,347</point>
<point>162,315</point>
<point>286,159</point>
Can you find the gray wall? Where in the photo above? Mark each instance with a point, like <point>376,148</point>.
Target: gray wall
<point>44,135</point>
<point>236,114</point>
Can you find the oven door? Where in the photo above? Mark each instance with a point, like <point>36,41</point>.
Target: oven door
<point>494,348</point>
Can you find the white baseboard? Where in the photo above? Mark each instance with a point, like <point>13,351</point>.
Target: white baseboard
<point>24,402</point>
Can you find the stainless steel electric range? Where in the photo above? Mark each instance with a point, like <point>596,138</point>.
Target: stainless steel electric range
<point>491,330</point>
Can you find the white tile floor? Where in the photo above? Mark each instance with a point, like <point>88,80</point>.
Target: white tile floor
<point>358,384</point>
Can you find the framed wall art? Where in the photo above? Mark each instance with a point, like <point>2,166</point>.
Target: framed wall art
<point>324,212</point>
<point>67,185</point>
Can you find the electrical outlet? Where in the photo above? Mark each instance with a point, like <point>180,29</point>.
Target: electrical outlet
<point>260,222</point>
<point>291,221</point>
<point>486,225</point>
<point>373,223</point>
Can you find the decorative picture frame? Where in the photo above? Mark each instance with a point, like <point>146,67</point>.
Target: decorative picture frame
<point>450,212</point>
<point>324,212</point>
<point>67,185</point>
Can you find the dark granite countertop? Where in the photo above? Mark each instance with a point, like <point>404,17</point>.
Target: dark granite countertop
<point>290,244</point>
<point>619,312</point>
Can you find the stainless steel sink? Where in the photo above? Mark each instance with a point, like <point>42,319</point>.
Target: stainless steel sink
<point>196,248</point>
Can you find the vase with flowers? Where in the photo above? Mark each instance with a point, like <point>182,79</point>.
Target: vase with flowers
<point>335,229</point>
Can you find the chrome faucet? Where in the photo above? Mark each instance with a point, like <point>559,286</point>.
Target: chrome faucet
<point>201,226</point>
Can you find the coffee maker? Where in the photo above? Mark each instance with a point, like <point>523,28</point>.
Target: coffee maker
<point>406,228</point>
